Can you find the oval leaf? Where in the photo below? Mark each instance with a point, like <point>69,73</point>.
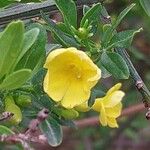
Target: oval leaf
<point>115,64</point>
<point>10,46</point>
<point>36,50</point>
<point>16,79</point>
<point>123,39</point>
<point>52,130</point>
<point>69,12</point>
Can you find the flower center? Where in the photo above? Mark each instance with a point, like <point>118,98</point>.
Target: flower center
<point>75,71</point>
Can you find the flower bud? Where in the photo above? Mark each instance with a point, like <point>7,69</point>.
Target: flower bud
<point>23,100</point>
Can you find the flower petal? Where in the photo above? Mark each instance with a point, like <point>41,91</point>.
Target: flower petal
<point>97,106</point>
<point>114,111</point>
<point>103,117</point>
<point>55,85</point>
<point>113,99</point>
<point>112,122</point>
<point>91,73</point>
<point>75,95</point>
<point>116,87</point>
<point>60,58</point>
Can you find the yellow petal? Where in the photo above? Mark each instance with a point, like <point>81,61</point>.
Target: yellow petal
<point>116,87</point>
<point>114,111</point>
<point>61,56</point>
<point>91,73</point>
<point>75,95</point>
<point>112,122</point>
<point>103,117</point>
<point>113,99</point>
<point>97,104</point>
<point>56,85</point>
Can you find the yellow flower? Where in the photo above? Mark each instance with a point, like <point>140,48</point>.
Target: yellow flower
<point>71,75</point>
<point>110,106</point>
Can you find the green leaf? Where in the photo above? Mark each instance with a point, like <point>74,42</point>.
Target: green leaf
<point>69,12</point>
<point>91,14</point>
<point>15,80</point>
<point>62,26</point>
<point>104,72</point>
<point>64,39</point>
<point>108,34</point>
<point>146,6</point>
<point>52,130</point>
<point>37,53</point>
<point>29,39</point>
<point>123,39</point>
<point>10,46</point>
<point>5,130</point>
<point>115,64</point>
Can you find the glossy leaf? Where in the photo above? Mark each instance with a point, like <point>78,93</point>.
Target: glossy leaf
<point>37,53</point>
<point>29,39</point>
<point>10,46</point>
<point>69,12</point>
<point>115,64</point>
<point>15,80</point>
<point>52,130</point>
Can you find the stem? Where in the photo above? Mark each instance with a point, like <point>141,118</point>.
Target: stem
<point>105,18</point>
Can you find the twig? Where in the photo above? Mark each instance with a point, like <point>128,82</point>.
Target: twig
<point>30,133</point>
<point>133,73</point>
